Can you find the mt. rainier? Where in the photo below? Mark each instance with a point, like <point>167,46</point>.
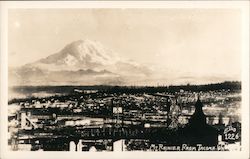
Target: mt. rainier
<point>82,54</point>
<point>82,62</point>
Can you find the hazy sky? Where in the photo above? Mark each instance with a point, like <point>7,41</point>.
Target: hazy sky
<point>198,41</point>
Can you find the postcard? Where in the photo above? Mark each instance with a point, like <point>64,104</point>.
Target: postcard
<point>128,79</point>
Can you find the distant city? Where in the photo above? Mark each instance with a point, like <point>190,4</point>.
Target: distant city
<point>126,118</point>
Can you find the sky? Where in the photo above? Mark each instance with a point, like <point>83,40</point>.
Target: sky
<point>190,41</point>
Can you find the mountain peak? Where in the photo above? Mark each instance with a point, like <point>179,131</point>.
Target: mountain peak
<point>87,49</point>
<point>79,54</point>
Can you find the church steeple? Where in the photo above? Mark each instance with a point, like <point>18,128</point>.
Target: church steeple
<point>197,131</point>
<point>198,118</point>
<point>198,106</point>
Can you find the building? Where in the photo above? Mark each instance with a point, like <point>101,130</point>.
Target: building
<point>197,131</point>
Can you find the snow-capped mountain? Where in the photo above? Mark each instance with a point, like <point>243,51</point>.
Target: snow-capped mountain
<point>82,54</point>
<point>82,62</point>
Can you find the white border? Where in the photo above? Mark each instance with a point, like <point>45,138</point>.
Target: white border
<point>243,5</point>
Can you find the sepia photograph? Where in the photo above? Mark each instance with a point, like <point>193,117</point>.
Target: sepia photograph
<point>125,78</point>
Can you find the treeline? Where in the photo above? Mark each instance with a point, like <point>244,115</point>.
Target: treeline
<point>234,86</point>
<point>68,91</point>
<point>228,85</point>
